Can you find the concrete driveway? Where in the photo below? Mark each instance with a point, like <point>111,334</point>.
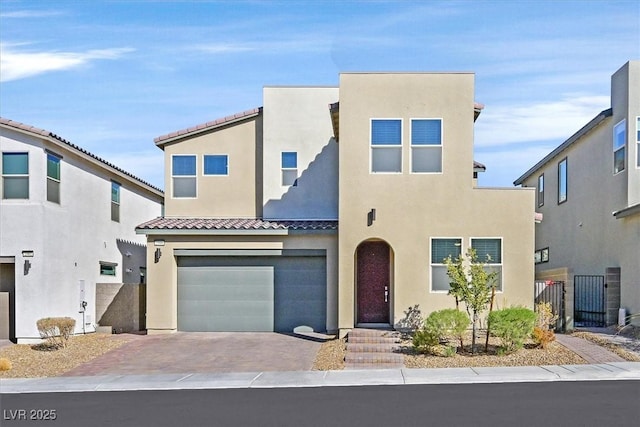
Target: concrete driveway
<point>202,352</point>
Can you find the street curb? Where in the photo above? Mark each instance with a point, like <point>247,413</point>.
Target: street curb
<point>346,378</point>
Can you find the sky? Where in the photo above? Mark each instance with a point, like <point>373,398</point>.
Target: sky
<point>110,76</point>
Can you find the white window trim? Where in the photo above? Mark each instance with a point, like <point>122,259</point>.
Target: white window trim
<point>400,147</point>
<point>211,174</point>
<point>418,146</point>
<point>501,264</point>
<point>622,123</point>
<point>431,264</point>
<point>184,176</point>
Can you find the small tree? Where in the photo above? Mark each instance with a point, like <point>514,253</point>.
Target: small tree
<point>471,284</point>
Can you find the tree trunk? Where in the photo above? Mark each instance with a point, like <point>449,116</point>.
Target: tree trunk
<point>486,342</point>
<point>473,332</point>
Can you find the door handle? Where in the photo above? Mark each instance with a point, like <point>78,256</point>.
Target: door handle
<point>386,294</point>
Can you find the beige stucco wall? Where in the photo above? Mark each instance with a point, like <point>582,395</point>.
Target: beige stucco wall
<point>413,208</point>
<point>162,290</point>
<point>236,195</point>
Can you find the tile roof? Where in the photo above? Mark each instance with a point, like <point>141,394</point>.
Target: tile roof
<point>161,140</point>
<point>235,224</point>
<point>50,135</point>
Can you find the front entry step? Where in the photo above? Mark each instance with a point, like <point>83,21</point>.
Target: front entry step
<point>373,349</point>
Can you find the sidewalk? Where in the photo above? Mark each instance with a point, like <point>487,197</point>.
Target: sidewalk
<point>599,372</point>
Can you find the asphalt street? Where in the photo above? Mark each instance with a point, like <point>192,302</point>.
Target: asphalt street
<point>576,403</point>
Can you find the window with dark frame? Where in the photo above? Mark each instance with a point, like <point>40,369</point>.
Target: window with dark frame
<point>15,175</point>
<point>541,190</point>
<point>53,178</point>
<point>562,181</point>
<point>115,201</point>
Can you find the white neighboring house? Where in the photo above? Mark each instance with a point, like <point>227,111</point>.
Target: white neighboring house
<point>67,222</point>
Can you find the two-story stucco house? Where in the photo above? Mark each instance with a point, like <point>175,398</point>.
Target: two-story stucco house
<point>329,208</point>
<point>67,223</point>
<point>588,191</point>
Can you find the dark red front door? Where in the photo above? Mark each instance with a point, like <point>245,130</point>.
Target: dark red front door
<point>373,282</point>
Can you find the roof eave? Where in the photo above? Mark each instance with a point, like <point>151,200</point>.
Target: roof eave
<point>575,137</point>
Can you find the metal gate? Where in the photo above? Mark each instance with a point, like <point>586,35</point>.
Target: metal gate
<point>589,306</point>
<point>552,292</point>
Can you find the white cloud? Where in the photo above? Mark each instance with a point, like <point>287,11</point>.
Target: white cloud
<point>30,14</point>
<point>16,64</point>
<point>558,120</point>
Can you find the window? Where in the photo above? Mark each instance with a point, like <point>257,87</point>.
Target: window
<point>638,142</point>
<point>386,146</point>
<point>15,175</point>
<point>289,164</point>
<point>541,255</point>
<point>115,201</point>
<point>426,145</point>
<point>53,178</point>
<point>619,146</point>
<point>440,250</point>
<point>541,190</point>
<point>216,165</point>
<point>562,181</point>
<point>489,251</point>
<point>108,268</point>
<point>183,175</point>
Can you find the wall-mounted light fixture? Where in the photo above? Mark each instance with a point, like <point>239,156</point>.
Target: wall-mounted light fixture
<point>128,270</point>
<point>159,242</point>
<point>127,254</point>
<point>371,216</point>
<point>27,263</point>
<point>157,255</point>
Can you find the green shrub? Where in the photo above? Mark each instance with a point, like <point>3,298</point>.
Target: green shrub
<point>443,326</point>
<point>512,325</point>
<point>56,330</point>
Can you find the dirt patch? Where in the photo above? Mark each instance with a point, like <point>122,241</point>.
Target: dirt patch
<point>31,361</point>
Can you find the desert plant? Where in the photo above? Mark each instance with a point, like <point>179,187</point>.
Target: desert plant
<point>56,330</point>
<point>512,325</point>
<point>472,285</point>
<point>443,326</point>
<point>545,320</point>
<point>5,364</point>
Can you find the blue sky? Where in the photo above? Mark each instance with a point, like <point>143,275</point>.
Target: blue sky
<point>112,75</point>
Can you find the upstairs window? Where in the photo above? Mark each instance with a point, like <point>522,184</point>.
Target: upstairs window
<point>440,250</point>
<point>541,190</point>
<point>15,175</point>
<point>53,178</point>
<point>183,176</point>
<point>562,181</point>
<point>638,141</point>
<point>289,165</point>
<point>619,146</point>
<point>386,146</point>
<point>115,201</point>
<point>489,251</point>
<point>426,146</point>
<point>216,165</point>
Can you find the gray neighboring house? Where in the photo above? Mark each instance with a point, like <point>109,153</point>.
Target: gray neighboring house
<point>588,192</point>
<point>68,245</point>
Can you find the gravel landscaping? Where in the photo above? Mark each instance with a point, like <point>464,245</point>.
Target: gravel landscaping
<point>30,361</point>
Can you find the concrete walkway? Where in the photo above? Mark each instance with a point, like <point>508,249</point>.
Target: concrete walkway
<point>589,351</point>
<point>600,372</point>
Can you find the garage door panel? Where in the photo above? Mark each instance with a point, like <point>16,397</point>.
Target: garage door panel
<point>251,293</point>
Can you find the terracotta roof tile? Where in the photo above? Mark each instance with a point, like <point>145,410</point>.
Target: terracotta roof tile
<point>234,224</point>
<point>46,134</point>
<point>204,126</point>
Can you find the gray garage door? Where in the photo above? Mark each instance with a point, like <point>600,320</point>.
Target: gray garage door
<point>251,293</point>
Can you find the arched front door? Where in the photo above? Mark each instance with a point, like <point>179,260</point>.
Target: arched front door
<point>373,282</point>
